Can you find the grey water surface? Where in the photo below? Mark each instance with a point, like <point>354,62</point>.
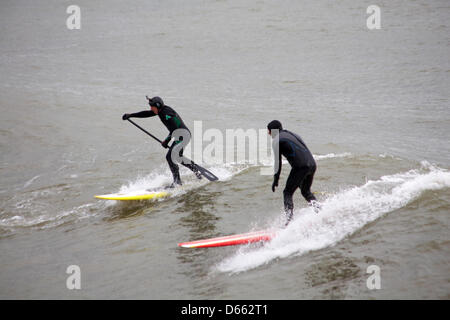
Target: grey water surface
<point>372,105</point>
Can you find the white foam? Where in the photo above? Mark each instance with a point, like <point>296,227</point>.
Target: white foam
<point>162,178</point>
<point>342,214</point>
<point>153,180</point>
<point>332,155</point>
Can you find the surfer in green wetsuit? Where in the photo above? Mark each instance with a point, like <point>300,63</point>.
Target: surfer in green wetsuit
<point>177,130</point>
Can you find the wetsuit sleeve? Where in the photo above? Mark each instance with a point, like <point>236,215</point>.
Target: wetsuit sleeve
<point>143,114</point>
<point>278,163</point>
<point>277,174</point>
<point>167,140</point>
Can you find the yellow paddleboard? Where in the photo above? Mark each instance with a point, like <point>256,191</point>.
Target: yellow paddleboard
<point>144,195</point>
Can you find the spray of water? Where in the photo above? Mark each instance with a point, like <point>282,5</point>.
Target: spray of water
<point>342,214</point>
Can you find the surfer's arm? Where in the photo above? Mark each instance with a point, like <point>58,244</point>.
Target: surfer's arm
<point>278,172</point>
<point>142,114</point>
<point>278,163</point>
<point>166,141</point>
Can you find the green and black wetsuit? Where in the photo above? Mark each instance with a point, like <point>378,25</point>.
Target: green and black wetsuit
<point>168,117</point>
<point>172,121</point>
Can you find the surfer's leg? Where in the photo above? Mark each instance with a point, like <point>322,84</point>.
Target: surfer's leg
<point>288,206</point>
<point>173,167</point>
<point>306,184</point>
<point>288,192</point>
<point>191,166</point>
<point>306,190</point>
<point>188,163</point>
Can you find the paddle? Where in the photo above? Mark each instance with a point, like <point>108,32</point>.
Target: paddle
<point>145,130</point>
<point>207,174</point>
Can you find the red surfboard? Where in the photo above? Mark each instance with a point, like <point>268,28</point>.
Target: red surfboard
<point>237,239</point>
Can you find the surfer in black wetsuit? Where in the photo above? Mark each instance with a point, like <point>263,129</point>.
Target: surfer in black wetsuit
<point>177,130</point>
<point>292,147</point>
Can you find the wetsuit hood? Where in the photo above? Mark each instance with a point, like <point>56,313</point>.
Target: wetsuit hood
<point>274,124</point>
<point>156,102</point>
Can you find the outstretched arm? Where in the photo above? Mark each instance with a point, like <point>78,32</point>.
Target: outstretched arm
<point>142,114</point>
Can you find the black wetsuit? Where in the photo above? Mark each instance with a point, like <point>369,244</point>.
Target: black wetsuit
<point>292,147</point>
<point>172,121</point>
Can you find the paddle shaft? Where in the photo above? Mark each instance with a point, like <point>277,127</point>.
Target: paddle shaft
<point>145,131</point>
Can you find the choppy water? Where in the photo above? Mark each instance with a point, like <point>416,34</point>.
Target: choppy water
<point>373,107</point>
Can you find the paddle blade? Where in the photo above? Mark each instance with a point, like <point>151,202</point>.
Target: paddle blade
<point>207,174</point>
